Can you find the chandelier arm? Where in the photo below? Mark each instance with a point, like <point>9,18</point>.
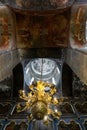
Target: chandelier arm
<point>25,98</point>
<point>25,108</point>
<point>30,117</point>
<point>20,109</point>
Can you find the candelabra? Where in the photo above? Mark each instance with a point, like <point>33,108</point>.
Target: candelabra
<point>41,102</point>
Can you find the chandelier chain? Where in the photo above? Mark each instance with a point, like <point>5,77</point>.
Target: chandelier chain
<point>42,69</point>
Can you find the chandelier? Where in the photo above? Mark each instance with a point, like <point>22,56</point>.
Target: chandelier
<point>41,102</point>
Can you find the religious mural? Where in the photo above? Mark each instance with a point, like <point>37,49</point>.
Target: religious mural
<point>66,109</point>
<point>48,30</point>
<point>7,30</point>
<point>78,34</point>
<point>4,109</point>
<point>14,126</point>
<point>30,3</point>
<point>81,108</point>
<point>38,31</point>
<point>5,89</point>
<point>36,5</point>
<point>71,126</point>
<point>34,30</point>
<point>79,88</point>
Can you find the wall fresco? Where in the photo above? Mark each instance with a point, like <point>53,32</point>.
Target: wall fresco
<point>4,109</point>
<point>66,109</point>
<point>6,89</point>
<point>48,3</point>
<point>81,108</point>
<point>78,36</point>
<point>7,30</point>
<point>48,30</point>
<point>14,126</point>
<point>79,88</point>
<point>71,126</point>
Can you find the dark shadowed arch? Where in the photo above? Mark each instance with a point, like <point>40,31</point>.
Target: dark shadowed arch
<point>67,77</point>
<point>18,79</point>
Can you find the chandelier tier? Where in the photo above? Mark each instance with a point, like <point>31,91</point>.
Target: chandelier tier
<point>41,102</point>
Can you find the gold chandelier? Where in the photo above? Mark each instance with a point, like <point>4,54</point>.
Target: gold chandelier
<point>41,102</point>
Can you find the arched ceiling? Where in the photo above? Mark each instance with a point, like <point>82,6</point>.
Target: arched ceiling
<point>38,5</point>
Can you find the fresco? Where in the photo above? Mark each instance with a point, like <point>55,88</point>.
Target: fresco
<point>48,30</point>
<point>4,109</point>
<point>6,88</point>
<point>79,87</point>
<point>78,36</point>
<point>14,126</point>
<point>37,4</point>
<point>66,109</point>
<point>7,31</point>
<point>71,126</point>
<point>81,108</point>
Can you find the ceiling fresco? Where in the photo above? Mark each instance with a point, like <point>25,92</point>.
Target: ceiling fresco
<point>34,30</point>
<point>50,27</point>
<point>48,30</point>
<point>37,5</point>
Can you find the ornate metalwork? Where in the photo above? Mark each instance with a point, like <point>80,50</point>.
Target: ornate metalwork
<point>41,102</point>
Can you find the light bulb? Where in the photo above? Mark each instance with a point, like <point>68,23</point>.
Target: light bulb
<point>55,98</point>
<point>45,118</point>
<point>23,91</point>
<point>56,110</point>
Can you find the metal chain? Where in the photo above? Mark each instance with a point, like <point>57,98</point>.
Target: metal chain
<point>42,69</point>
